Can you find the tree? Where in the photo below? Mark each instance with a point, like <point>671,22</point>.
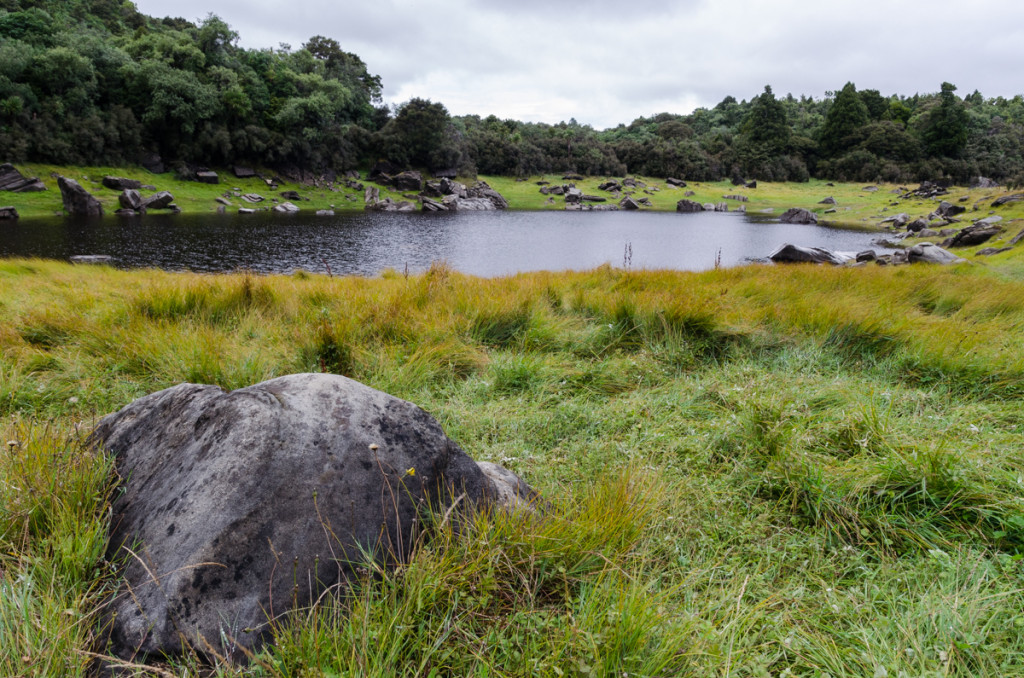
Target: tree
<point>766,125</point>
<point>843,121</point>
<point>944,127</point>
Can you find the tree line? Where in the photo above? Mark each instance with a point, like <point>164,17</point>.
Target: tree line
<point>97,82</point>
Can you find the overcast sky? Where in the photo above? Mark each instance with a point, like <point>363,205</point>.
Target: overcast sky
<point>606,62</point>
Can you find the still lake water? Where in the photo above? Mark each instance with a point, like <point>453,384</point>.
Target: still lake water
<point>366,243</point>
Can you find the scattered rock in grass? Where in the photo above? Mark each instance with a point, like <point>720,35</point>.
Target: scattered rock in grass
<point>248,503</point>
<point>12,180</point>
<point>252,198</point>
<point>1006,199</point>
<point>827,201</point>
<point>689,206</point>
<point>973,235</point>
<point>8,212</point>
<point>738,198</point>
<point>286,207</point>
<point>207,177</point>
<point>78,201</point>
<point>983,182</point>
<point>244,172</point>
<point>678,183</point>
<point>120,183</point>
<point>629,203</point>
<point>130,199</point>
<point>989,251</point>
<point>159,201</point>
<point>798,215</point>
<point>325,213</point>
<point>291,195</point>
<point>930,253</point>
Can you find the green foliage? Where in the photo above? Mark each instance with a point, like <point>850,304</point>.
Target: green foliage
<point>944,126</point>
<point>843,122</point>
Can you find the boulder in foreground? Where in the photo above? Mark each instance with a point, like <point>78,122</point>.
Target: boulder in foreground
<point>238,505</point>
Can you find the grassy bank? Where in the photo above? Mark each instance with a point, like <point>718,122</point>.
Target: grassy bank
<point>755,471</point>
<point>854,205</point>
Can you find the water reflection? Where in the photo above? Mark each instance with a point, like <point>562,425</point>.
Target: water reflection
<point>479,243</point>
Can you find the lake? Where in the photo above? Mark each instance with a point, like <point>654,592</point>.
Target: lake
<point>478,243</point>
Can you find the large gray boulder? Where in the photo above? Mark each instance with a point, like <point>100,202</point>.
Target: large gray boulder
<point>798,215</point>
<point>689,206</point>
<point>13,180</point>
<point>238,505</point>
<point>930,253</point>
<point>794,254</point>
<point>159,201</point>
<point>77,200</point>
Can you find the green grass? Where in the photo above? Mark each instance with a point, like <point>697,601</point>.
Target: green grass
<point>855,207</point>
<point>753,471</point>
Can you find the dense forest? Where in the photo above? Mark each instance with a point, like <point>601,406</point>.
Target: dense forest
<point>97,82</point>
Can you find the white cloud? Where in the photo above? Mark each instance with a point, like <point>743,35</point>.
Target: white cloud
<point>608,62</point>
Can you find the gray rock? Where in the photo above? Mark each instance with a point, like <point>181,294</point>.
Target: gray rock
<point>408,181</point>
<point>244,504</point>
<point>452,187</point>
<point>917,225</point>
<point>573,195</point>
<point>159,201</point>
<point>628,203</point>
<point>798,215</point>
<point>372,196</point>
<point>120,183</point>
<point>223,201</point>
<point>678,183</point>
<point>593,198</point>
<point>739,198</point>
<point>1006,199</point>
<point>689,206</point>
<point>948,209</point>
<point>973,235</point>
<point>77,200</point>
<point>827,201</point>
<point>430,205</point>
<point>244,172</point>
<point>286,207</point>
<point>130,199</point>
<point>794,254</point>
<point>207,177</point>
<point>252,198</point>
<point>930,253</point>
<point>983,182</point>
<point>482,190</point>
<point>989,251</point>
<point>153,162</point>
<point>325,213</point>
<point>12,180</point>
<point>457,204</point>
<point>246,210</point>
<point>8,212</point>
<point>93,259</point>
<point>291,195</point>
<point>988,221</point>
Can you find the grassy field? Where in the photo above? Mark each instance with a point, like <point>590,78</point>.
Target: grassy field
<point>854,205</point>
<point>758,471</point>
